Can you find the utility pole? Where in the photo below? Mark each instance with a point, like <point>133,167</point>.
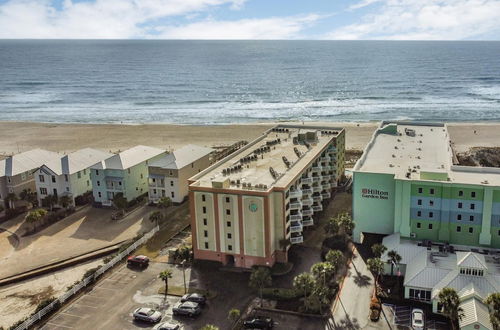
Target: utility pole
<point>183,263</point>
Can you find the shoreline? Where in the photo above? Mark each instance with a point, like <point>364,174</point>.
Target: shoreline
<point>19,136</point>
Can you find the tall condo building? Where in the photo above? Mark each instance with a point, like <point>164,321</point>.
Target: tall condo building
<point>248,208</point>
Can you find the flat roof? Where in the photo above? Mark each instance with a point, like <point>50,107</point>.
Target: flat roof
<point>419,151</point>
<point>278,142</point>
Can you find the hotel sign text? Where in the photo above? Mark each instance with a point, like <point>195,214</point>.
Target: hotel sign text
<point>374,193</point>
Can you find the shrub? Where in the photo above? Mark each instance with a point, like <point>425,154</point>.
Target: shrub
<point>18,323</point>
<point>337,242</point>
<point>280,293</point>
<point>90,272</point>
<point>45,303</point>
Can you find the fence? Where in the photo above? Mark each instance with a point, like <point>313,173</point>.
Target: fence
<point>85,282</point>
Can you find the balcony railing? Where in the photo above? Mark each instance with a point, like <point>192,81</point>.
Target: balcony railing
<point>326,195</point>
<point>296,227</point>
<point>317,208</point>
<point>295,193</point>
<point>307,180</point>
<point>295,205</point>
<point>317,188</point>
<point>112,187</point>
<point>317,168</point>
<point>326,185</point>
<point>307,221</point>
<point>307,191</point>
<point>297,239</point>
<point>317,198</point>
<point>307,201</point>
<point>307,212</point>
<point>296,217</point>
<point>316,178</point>
<point>325,158</point>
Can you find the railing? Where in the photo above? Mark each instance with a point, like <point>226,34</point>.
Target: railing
<point>296,227</point>
<point>317,208</point>
<point>326,195</point>
<point>317,189</point>
<point>296,217</point>
<point>295,205</point>
<point>307,201</point>
<point>307,212</point>
<point>317,198</point>
<point>85,282</point>
<point>293,240</point>
<point>307,180</point>
<point>306,191</point>
<point>295,193</point>
<point>316,179</point>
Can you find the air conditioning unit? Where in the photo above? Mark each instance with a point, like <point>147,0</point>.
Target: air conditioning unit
<point>413,235</point>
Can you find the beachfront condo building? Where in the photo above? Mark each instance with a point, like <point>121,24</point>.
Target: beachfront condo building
<point>247,208</point>
<point>125,172</point>
<point>16,172</point>
<point>68,175</point>
<point>407,182</point>
<point>168,176</point>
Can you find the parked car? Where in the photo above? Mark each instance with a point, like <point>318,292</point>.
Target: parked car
<point>258,322</point>
<point>194,297</point>
<point>166,326</point>
<point>138,261</point>
<point>417,319</point>
<point>147,314</point>
<point>188,308</point>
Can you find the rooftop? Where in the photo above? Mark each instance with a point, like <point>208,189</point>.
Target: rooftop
<point>76,161</point>
<point>182,157</point>
<point>273,160</point>
<point>128,158</point>
<point>26,161</point>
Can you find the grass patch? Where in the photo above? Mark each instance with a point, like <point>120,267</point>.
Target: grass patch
<point>280,293</point>
<point>179,291</point>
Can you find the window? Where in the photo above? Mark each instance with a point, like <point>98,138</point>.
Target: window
<point>205,221</point>
<point>472,206</point>
<point>460,193</point>
<point>41,178</point>
<point>459,229</point>
<point>98,182</point>
<point>205,233</point>
<point>228,223</point>
<point>227,199</point>
<point>88,183</point>
<point>142,176</point>
<point>128,170</point>
<point>67,188</point>
<point>473,194</point>
<point>431,214</point>
<point>192,165</point>
<point>419,190</point>
<point>84,171</point>
<point>431,203</point>
<point>419,202</point>
<point>154,191</point>
<point>172,194</point>
<point>204,209</point>
<point>419,225</point>
<point>78,174</point>
<point>228,212</point>
<point>471,230</point>
<point>419,213</point>
<point>96,172</point>
<point>229,235</point>
<point>431,191</point>
<point>430,226</point>
<point>499,232</point>
<point>206,245</point>
<point>99,194</point>
<point>153,180</point>
<point>171,183</point>
<point>459,217</point>
<point>459,205</point>
<point>202,198</point>
<point>230,247</point>
<point>66,177</point>
<point>471,218</point>
<point>53,179</point>
<point>43,191</point>
<point>417,294</point>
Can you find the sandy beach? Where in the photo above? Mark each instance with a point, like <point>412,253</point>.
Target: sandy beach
<point>21,136</point>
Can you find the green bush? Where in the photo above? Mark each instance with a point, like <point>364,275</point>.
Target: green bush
<point>18,323</point>
<point>280,293</point>
<point>90,272</point>
<point>45,303</point>
<point>337,242</point>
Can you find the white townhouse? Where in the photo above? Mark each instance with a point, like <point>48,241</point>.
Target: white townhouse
<point>68,175</point>
<point>168,176</point>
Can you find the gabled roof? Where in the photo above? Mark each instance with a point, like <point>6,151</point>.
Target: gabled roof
<point>422,273</point>
<point>471,290</point>
<point>457,281</point>
<point>471,260</point>
<point>26,161</point>
<point>474,311</point>
<point>182,157</point>
<point>76,161</point>
<point>128,158</point>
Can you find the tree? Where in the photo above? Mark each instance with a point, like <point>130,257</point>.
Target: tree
<point>378,250</point>
<point>341,223</point>
<point>376,266</point>
<point>29,196</point>
<point>332,227</point>
<point>156,217</point>
<point>209,327</point>
<point>493,302</point>
<point>65,201</point>
<point>259,279</point>
<point>10,199</point>
<point>50,201</point>
<point>450,305</point>
<point>165,276</point>
<point>335,258</point>
<point>164,202</point>
<point>36,216</point>
<point>183,253</point>
<point>394,259</point>
<point>321,295</point>
<point>233,315</point>
<point>323,272</point>
<point>120,202</point>
<point>304,283</point>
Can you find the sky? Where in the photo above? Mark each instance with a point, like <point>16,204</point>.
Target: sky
<point>251,19</point>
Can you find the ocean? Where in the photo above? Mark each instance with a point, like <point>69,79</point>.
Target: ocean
<point>218,82</point>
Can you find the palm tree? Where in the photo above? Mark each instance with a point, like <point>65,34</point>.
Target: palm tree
<point>321,295</point>
<point>50,201</point>
<point>28,196</point>
<point>376,266</point>
<point>345,223</point>
<point>234,315</point>
<point>36,216</point>
<point>164,276</point>
<point>10,199</point>
<point>259,279</point>
<point>304,283</point>
<point>156,217</point>
<point>164,202</point>
<point>493,302</point>
<point>394,259</point>
<point>335,258</point>
<point>378,250</point>
<point>120,202</point>
<point>209,327</point>
<point>450,305</point>
<point>323,272</point>
<point>332,227</point>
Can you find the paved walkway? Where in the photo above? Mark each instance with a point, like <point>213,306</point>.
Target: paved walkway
<point>352,309</point>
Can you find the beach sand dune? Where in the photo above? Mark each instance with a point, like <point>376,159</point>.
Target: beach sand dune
<point>22,136</point>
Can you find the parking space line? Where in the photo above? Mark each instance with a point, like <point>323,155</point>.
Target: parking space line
<point>69,314</point>
<point>83,305</point>
<point>100,287</point>
<point>59,325</point>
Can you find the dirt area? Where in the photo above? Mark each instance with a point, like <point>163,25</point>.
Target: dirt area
<point>351,157</point>
<point>480,156</point>
<point>21,299</point>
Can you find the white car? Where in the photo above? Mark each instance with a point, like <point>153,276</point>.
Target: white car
<point>167,326</point>
<point>417,319</point>
<point>147,314</point>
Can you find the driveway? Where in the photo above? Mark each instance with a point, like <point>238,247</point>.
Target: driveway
<point>86,230</point>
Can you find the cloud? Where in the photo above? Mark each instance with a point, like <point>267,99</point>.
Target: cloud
<point>95,19</point>
<point>363,3</point>
<point>425,20</point>
<point>266,28</point>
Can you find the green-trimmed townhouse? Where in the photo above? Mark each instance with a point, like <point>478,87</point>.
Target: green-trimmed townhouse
<point>125,172</point>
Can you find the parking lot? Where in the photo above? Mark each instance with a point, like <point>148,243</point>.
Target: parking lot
<point>109,305</point>
<point>402,318</point>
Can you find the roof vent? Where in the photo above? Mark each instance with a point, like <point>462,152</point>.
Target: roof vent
<point>273,173</point>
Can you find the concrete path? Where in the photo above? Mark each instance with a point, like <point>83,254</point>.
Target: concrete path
<point>351,310</point>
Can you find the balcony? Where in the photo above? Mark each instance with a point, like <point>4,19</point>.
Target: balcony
<point>326,195</point>
<point>326,185</point>
<point>317,198</point>
<point>325,158</point>
<point>317,188</point>
<point>295,205</point>
<point>295,193</point>
<point>306,191</point>
<point>296,217</point>
<point>316,178</point>
<point>307,201</point>
<point>327,177</point>
<point>114,187</point>
<point>317,208</point>
<point>317,168</point>
<point>307,180</point>
<point>307,221</point>
<point>296,239</point>
<point>296,227</point>
<point>307,212</point>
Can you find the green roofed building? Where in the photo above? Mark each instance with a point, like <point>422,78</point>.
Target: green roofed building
<point>407,182</point>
